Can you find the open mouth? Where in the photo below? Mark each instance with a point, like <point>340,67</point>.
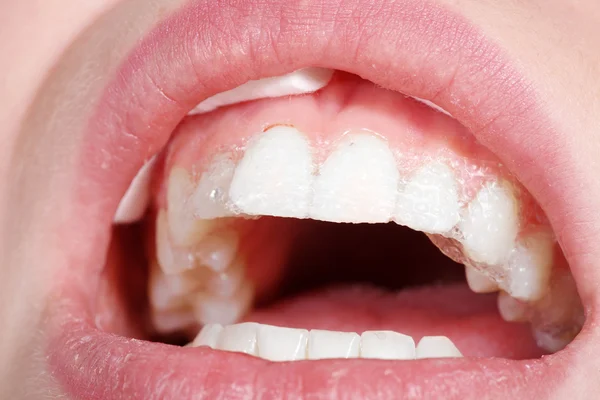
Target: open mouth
<point>293,241</point>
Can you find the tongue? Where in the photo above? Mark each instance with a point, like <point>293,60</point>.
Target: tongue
<point>471,321</point>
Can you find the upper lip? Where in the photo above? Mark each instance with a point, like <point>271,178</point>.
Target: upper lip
<point>207,41</point>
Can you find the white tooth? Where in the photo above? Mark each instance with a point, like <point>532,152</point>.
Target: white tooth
<point>357,183</point>
<point>218,251</point>
<point>511,310</point>
<point>171,260</point>
<point>436,347</point>
<point>281,344</point>
<point>166,291</point>
<point>530,265</point>
<point>209,200</point>
<point>172,320</point>
<point>135,201</point>
<point>429,201</point>
<point>275,175</point>
<point>306,80</point>
<point>208,336</point>
<point>331,344</point>
<point>490,225</point>
<point>210,309</point>
<point>387,345</point>
<point>185,230</point>
<point>478,282</point>
<point>239,337</point>
<point>226,284</point>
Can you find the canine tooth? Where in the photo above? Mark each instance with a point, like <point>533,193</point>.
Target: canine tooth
<point>490,225</point>
<point>171,260</point>
<point>436,347</point>
<point>530,265</point>
<point>183,228</point>
<point>209,199</point>
<point>134,203</point>
<point>211,309</point>
<point>511,310</point>
<point>281,344</point>
<point>218,251</point>
<point>208,336</point>
<point>429,201</point>
<point>275,176</point>
<point>331,344</point>
<point>478,282</point>
<point>387,345</point>
<point>239,337</point>
<point>357,183</point>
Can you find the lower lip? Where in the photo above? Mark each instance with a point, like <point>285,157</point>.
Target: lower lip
<point>93,364</point>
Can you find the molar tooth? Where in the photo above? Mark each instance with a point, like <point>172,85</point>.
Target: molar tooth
<point>218,251</point>
<point>281,344</point>
<point>357,183</point>
<point>211,309</point>
<point>331,344</point>
<point>225,284</point>
<point>210,198</point>
<point>387,345</point>
<point>511,310</point>
<point>436,347</point>
<point>275,176</point>
<point>530,265</point>
<point>490,225</point>
<point>239,337</point>
<point>478,282</point>
<point>208,336</point>
<point>429,201</point>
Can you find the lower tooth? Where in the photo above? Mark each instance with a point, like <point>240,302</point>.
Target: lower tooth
<point>436,347</point>
<point>387,345</point>
<point>281,344</point>
<point>239,337</point>
<point>329,344</point>
<point>208,336</point>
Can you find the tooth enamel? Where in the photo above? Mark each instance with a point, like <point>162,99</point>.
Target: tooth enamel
<point>490,225</point>
<point>172,320</point>
<point>209,199</point>
<point>387,345</point>
<point>239,337</point>
<point>134,203</point>
<point>275,175</point>
<point>208,336</point>
<point>331,344</point>
<point>211,309</point>
<point>218,251</point>
<point>436,347</point>
<point>511,310</point>
<point>357,183</point>
<point>170,259</point>
<point>168,291</point>
<point>183,228</point>
<point>281,344</point>
<point>226,284</point>
<point>429,201</point>
<point>478,282</point>
<point>530,265</point>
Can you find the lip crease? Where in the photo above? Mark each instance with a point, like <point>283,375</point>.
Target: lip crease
<point>418,48</point>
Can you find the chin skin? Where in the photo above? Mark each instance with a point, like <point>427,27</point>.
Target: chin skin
<point>62,60</point>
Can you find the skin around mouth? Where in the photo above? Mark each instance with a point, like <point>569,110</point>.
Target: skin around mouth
<point>107,172</point>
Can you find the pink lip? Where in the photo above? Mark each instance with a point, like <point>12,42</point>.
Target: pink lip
<point>416,47</point>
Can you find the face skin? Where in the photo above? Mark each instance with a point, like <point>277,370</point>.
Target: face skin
<point>58,62</point>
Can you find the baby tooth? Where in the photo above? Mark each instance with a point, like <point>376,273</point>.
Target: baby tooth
<point>490,225</point>
<point>529,267</point>
<point>281,344</point>
<point>209,200</point>
<point>387,345</point>
<point>239,337</point>
<point>357,183</point>
<point>478,282</point>
<point>436,347</point>
<point>330,344</point>
<point>429,201</point>
<point>275,175</point>
<point>208,336</point>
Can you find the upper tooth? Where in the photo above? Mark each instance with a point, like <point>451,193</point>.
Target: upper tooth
<point>135,200</point>
<point>330,344</point>
<point>275,175</point>
<point>282,344</point>
<point>429,201</point>
<point>239,337</point>
<point>210,309</point>
<point>171,260</point>
<point>478,282</point>
<point>209,199</point>
<point>357,183</point>
<point>208,336</point>
<point>436,347</point>
<point>530,265</point>
<point>490,225</point>
<point>387,345</point>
